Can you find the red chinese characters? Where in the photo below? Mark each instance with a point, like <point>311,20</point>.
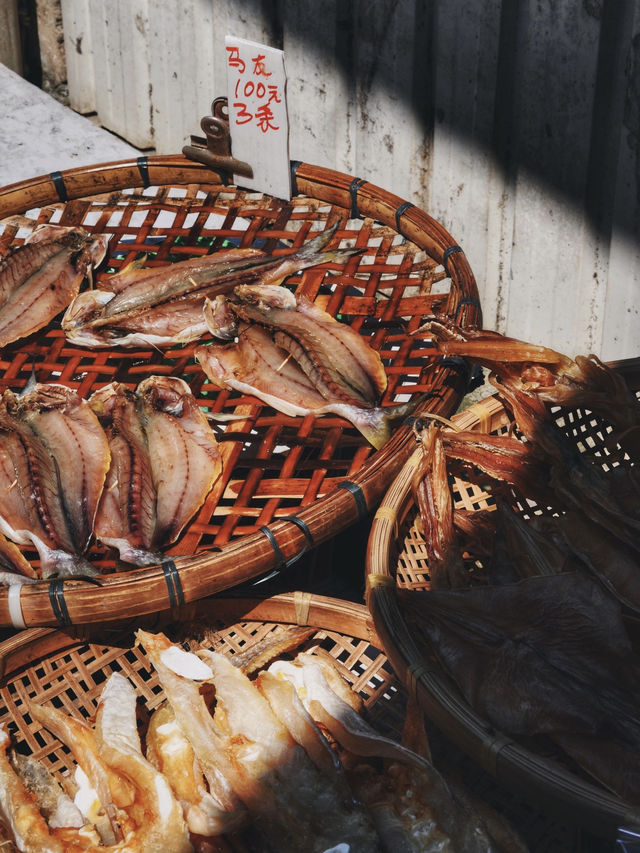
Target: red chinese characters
<point>253,94</point>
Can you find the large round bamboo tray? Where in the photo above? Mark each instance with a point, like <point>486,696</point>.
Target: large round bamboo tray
<point>288,483</point>
<point>67,668</point>
<point>396,557</point>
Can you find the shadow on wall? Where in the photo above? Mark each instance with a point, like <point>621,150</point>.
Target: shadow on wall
<point>553,89</point>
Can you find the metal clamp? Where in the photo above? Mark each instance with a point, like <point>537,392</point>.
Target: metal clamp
<point>214,150</point>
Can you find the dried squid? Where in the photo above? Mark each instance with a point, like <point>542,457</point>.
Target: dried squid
<point>40,278</point>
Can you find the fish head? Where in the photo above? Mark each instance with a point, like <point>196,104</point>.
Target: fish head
<point>164,393</point>
<point>265,296</point>
<point>220,318</point>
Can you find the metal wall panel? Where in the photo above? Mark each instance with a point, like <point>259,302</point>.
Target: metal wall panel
<point>517,125</point>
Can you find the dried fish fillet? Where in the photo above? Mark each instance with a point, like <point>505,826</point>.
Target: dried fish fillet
<point>339,362</point>
<point>163,305</point>
<point>255,365</point>
<point>54,457</point>
<point>39,279</point>
<point>165,460</point>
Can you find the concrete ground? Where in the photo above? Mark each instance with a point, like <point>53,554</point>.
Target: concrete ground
<point>38,135</point>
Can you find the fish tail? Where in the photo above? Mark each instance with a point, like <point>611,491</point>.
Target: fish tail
<point>377,425</point>
<point>317,244</point>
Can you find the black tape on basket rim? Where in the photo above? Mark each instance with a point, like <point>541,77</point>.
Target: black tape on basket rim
<point>450,250</point>
<point>173,582</point>
<point>295,165</point>
<point>309,544</point>
<point>358,496</point>
<point>58,182</point>
<point>356,183</point>
<point>302,524</point>
<point>468,300</point>
<point>400,211</point>
<point>58,604</point>
<point>143,168</point>
<point>280,561</point>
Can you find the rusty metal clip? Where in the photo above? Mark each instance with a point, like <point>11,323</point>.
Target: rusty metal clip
<point>214,149</point>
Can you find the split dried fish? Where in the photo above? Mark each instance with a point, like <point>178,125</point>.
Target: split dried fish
<point>161,306</point>
<point>54,458</point>
<point>164,462</point>
<point>257,366</point>
<point>40,278</point>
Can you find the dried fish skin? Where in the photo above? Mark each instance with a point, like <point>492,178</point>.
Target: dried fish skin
<point>256,366</point>
<point>39,279</point>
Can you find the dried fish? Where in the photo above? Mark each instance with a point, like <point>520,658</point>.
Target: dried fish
<point>546,655</point>
<point>163,305</point>
<point>40,278</point>
<point>54,457</point>
<point>339,361</point>
<point>433,496</point>
<point>165,460</point>
<point>256,366</point>
<point>282,789</point>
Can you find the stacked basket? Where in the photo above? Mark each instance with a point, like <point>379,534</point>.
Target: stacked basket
<point>396,557</point>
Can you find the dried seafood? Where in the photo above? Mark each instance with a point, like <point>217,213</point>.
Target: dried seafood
<point>163,305</point>
<point>164,462</point>
<point>40,278</point>
<point>295,357</point>
<point>274,761</point>
<point>48,501</point>
<point>543,649</point>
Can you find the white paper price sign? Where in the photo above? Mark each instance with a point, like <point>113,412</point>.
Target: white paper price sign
<point>258,120</point>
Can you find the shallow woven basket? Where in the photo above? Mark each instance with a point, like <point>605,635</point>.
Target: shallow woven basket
<point>67,668</point>
<point>396,555</point>
<point>288,483</point>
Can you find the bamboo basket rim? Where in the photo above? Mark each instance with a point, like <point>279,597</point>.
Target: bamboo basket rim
<point>510,763</point>
<point>27,647</point>
<point>184,579</point>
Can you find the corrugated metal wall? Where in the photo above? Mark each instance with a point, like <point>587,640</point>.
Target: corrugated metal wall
<point>516,123</point>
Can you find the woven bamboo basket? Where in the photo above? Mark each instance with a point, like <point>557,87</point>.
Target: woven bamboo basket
<point>67,668</point>
<point>288,483</point>
<point>396,556</point>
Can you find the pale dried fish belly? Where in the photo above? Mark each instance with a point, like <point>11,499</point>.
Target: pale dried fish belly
<point>39,279</point>
<point>157,815</point>
<point>170,751</point>
<point>282,788</point>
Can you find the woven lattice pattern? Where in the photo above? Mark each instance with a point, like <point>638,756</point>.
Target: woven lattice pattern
<point>273,464</point>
